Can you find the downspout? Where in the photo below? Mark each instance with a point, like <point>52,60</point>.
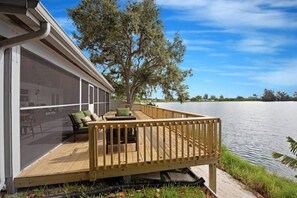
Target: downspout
<point>43,32</point>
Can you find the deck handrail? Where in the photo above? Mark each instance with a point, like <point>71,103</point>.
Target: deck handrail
<point>169,140</point>
<point>156,108</point>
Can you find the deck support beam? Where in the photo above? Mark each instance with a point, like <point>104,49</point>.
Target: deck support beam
<point>213,177</point>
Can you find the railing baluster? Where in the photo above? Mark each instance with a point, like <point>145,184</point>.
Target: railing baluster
<point>182,139</point>
<point>164,139</point>
<point>126,144</point>
<point>204,136</point>
<point>188,140</point>
<point>194,139</point>
<point>104,146</point>
<point>215,138</point>
<point>119,146</point>
<point>111,146</point>
<point>158,149</point>
<point>137,143</point>
<point>199,139</point>
<point>151,142</point>
<point>170,142</point>
<point>144,143</point>
<point>210,138</point>
<point>176,141</point>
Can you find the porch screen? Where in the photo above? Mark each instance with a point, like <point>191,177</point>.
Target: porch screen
<point>48,93</point>
<point>102,102</point>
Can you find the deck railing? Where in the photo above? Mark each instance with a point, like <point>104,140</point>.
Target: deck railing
<point>170,140</point>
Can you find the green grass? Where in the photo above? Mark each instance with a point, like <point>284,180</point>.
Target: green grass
<point>166,192</point>
<point>57,189</point>
<point>257,178</point>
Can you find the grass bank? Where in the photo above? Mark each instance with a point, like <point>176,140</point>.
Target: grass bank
<point>256,177</point>
<point>66,189</point>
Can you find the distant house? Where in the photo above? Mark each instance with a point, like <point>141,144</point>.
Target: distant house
<point>44,76</point>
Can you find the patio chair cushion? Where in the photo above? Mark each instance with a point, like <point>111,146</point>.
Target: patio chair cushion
<point>95,117</point>
<point>87,113</point>
<point>77,117</point>
<point>122,112</point>
<point>85,120</point>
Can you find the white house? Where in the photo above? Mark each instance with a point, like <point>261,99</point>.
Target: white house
<point>44,76</point>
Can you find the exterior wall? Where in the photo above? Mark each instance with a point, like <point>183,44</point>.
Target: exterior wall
<point>40,49</point>
<point>2,172</point>
<point>9,151</point>
<point>15,108</point>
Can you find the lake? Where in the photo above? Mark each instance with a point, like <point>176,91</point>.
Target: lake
<point>252,130</point>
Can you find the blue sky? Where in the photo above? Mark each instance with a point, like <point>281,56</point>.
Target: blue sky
<point>233,47</point>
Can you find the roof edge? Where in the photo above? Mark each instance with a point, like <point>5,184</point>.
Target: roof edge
<point>43,12</point>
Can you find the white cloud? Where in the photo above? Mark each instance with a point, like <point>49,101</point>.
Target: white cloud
<point>285,75</point>
<point>200,42</point>
<point>263,43</point>
<point>234,13</point>
<point>241,67</point>
<point>244,18</point>
<point>219,54</point>
<point>198,48</point>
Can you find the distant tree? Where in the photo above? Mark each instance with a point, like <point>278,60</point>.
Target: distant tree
<point>213,97</point>
<point>240,98</point>
<point>205,96</point>
<point>197,98</point>
<point>221,97</point>
<point>282,96</point>
<point>288,160</point>
<point>295,96</point>
<point>255,95</point>
<point>128,44</point>
<point>268,95</point>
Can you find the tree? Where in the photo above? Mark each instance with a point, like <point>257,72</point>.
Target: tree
<point>205,96</point>
<point>288,160</point>
<point>240,98</point>
<point>213,97</point>
<point>221,97</point>
<point>295,96</point>
<point>268,95</point>
<point>282,96</point>
<point>197,98</point>
<point>128,45</point>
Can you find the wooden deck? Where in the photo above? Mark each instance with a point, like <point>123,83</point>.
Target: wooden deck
<point>70,161</point>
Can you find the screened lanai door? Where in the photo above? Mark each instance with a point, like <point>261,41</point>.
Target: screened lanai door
<point>91,98</point>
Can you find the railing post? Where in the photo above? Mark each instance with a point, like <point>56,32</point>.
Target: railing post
<point>213,177</point>
<point>92,152</point>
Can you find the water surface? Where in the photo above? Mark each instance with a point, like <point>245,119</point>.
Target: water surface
<point>253,130</point>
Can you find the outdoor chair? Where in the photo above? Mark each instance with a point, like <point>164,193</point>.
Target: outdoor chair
<point>77,124</point>
<point>29,120</point>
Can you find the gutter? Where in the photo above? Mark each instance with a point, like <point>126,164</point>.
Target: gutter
<point>43,32</point>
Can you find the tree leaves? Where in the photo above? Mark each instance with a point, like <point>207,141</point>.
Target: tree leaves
<point>288,160</point>
<point>128,44</point>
